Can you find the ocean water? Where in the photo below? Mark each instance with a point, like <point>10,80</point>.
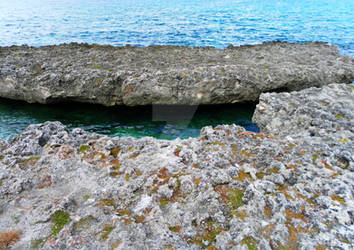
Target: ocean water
<point>215,23</point>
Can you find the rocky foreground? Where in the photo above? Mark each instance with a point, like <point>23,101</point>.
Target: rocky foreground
<point>227,189</point>
<point>166,74</point>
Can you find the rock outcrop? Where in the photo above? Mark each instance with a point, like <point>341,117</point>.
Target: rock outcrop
<point>325,112</point>
<point>166,74</point>
<point>227,189</point>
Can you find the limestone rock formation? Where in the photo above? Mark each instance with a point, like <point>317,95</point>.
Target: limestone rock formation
<point>227,189</point>
<point>325,112</point>
<point>166,74</point>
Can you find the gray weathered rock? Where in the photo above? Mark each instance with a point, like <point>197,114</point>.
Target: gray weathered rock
<point>166,74</point>
<point>227,189</point>
<point>325,112</point>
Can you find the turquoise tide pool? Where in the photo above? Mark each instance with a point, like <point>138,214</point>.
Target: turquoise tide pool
<point>123,121</point>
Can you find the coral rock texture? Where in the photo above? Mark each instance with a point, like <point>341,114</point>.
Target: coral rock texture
<point>166,74</point>
<point>227,189</point>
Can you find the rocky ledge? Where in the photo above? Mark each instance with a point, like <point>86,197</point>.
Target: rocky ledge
<point>166,74</point>
<point>227,189</point>
<point>326,113</point>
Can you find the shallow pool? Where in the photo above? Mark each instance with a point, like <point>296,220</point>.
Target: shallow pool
<point>165,122</point>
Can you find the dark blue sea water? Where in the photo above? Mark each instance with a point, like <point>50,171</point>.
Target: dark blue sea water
<point>184,22</point>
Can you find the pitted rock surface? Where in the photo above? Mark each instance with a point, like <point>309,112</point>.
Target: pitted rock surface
<point>227,189</point>
<point>325,112</point>
<point>166,74</point>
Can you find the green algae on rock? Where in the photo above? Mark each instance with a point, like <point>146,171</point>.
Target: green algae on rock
<point>59,220</point>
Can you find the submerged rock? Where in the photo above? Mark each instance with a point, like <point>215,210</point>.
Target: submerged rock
<point>166,74</point>
<point>227,189</point>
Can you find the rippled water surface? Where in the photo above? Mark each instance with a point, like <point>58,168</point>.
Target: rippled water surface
<point>183,22</point>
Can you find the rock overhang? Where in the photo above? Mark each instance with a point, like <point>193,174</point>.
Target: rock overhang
<point>134,76</point>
